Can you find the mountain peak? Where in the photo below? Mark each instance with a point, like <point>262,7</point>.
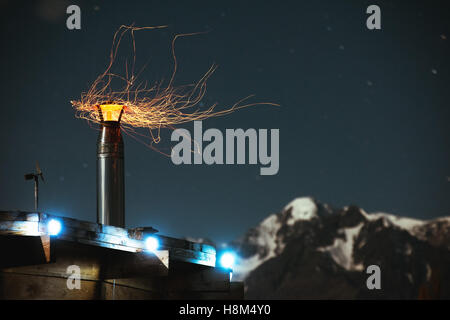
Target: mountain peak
<point>301,209</point>
<point>310,238</point>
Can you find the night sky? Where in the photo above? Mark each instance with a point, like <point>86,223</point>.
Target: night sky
<point>364,115</point>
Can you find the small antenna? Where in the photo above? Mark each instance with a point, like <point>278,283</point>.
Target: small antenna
<point>35,176</point>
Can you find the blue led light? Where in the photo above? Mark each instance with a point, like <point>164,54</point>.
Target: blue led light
<point>227,260</point>
<point>54,227</point>
<point>152,243</point>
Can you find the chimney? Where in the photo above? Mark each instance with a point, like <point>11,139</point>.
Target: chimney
<point>110,162</point>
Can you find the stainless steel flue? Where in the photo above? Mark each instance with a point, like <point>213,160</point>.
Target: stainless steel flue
<point>110,174</point>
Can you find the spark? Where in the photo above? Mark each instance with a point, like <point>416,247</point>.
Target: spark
<point>150,107</point>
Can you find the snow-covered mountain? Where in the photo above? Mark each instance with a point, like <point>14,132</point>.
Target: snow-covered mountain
<point>311,250</point>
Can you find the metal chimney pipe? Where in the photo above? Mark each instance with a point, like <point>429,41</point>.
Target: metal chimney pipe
<point>110,175</point>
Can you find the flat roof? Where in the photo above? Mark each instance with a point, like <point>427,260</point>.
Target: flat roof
<point>20,223</point>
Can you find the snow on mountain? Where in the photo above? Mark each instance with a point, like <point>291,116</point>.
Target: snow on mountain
<point>314,251</point>
<point>427,230</point>
<point>408,224</point>
<point>301,209</point>
<point>268,239</point>
<point>265,237</point>
<point>342,249</point>
<point>265,234</point>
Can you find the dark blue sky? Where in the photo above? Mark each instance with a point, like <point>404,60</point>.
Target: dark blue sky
<point>364,116</point>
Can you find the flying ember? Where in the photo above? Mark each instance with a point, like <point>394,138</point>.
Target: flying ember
<point>150,107</point>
